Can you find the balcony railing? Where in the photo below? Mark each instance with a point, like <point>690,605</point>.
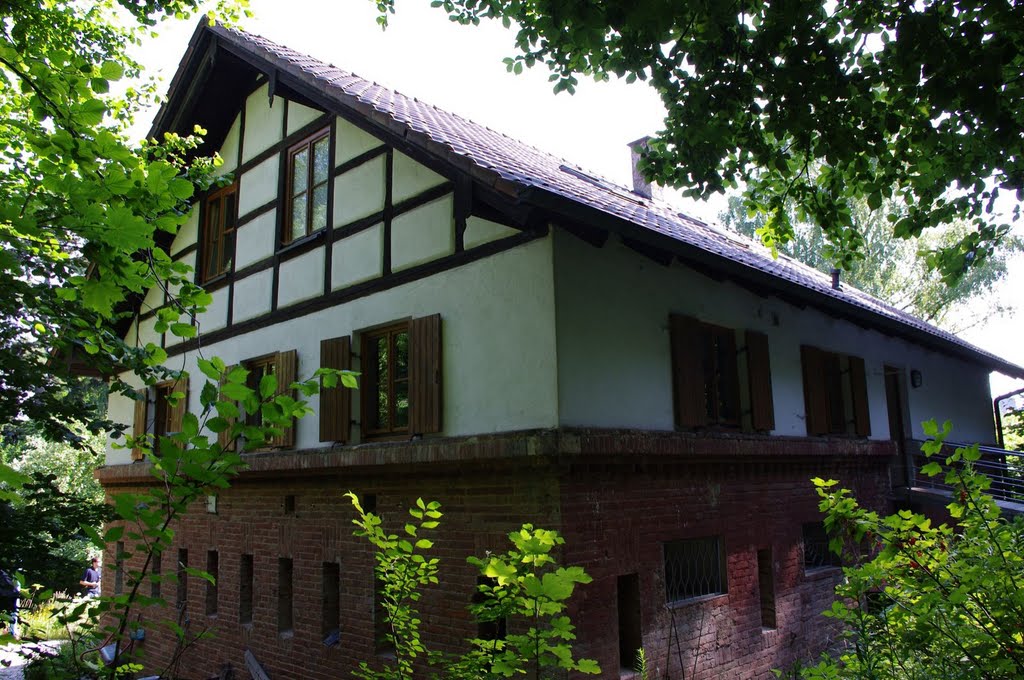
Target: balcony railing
<point>1004,468</point>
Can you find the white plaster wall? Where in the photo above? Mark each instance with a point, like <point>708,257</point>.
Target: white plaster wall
<point>216,314</point>
<point>252,296</point>
<point>189,260</point>
<point>121,409</point>
<point>301,278</point>
<point>255,240</point>
<point>424,234</point>
<point>613,344</point>
<point>480,231</point>
<point>147,332</point>
<point>359,192</point>
<point>229,149</point>
<point>258,185</point>
<point>188,233</point>
<point>263,123</point>
<point>351,141</point>
<point>154,299</point>
<point>358,258</point>
<point>497,333</point>
<point>299,115</point>
<point>411,178</point>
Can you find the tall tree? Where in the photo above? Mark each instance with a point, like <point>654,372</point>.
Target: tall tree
<point>898,270</point>
<point>819,103</point>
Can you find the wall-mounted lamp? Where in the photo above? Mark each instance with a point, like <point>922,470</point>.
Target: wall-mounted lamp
<point>915,379</point>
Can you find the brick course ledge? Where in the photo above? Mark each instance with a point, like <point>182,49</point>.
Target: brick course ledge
<point>564,445</point>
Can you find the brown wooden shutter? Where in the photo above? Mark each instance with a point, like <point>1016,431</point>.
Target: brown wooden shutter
<point>286,370</point>
<point>688,389</point>
<point>759,377</point>
<point>425,375</point>
<point>176,414</point>
<point>859,396</point>
<point>139,421</point>
<point>224,438</point>
<point>815,394</point>
<point>335,402</point>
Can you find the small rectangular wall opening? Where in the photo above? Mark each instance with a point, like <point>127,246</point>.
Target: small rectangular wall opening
<point>766,587</point>
<point>493,629</point>
<point>627,589</point>
<point>289,504</point>
<point>213,569</point>
<point>155,575</point>
<point>119,568</point>
<point>285,615</point>
<point>182,595</point>
<point>245,589</point>
<point>330,603</point>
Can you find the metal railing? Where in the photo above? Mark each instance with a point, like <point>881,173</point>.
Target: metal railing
<point>1004,468</point>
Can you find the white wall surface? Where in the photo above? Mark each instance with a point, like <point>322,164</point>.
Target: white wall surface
<point>411,178</point>
<point>258,185</point>
<point>359,192</point>
<point>614,359</point>
<point>301,278</point>
<point>358,258</point>
<point>255,240</point>
<point>300,115</point>
<point>263,123</point>
<point>498,342</point>
<point>351,141</point>
<point>424,234</point>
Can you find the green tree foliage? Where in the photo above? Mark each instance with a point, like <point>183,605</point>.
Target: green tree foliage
<point>41,528</point>
<point>811,102</point>
<point>920,601</point>
<point>524,586</point>
<point>898,270</point>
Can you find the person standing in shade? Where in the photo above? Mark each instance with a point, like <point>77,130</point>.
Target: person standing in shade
<point>91,579</point>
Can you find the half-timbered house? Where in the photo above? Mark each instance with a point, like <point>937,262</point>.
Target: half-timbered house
<point>535,344</point>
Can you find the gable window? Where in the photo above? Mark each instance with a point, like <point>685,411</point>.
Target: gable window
<point>220,218</point>
<point>706,377</point>
<point>835,393</point>
<point>401,378</point>
<point>694,567</point>
<point>308,174</point>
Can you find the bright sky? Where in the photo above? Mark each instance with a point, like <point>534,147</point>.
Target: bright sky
<point>460,69</point>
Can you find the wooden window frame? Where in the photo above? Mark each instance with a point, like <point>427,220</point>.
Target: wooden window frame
<point>835,393</point>
<point>311,185</point>
<point>425,368</point>
<point>371,380</point>
<point>701,382</point>
<point>220,235</point>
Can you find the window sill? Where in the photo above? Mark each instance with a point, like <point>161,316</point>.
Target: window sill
<point>215,282</point>
<point>818,573</point>
<point>298,243</point>
<point>679,604</point>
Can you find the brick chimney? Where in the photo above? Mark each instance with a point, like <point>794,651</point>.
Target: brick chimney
<point>640,185</point>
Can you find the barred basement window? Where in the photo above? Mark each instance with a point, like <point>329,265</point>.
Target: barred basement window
<point>766,587</point>
<point>816,551</point>
<point>694,567</point>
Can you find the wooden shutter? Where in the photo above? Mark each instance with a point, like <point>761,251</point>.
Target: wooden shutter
<point>759,377</point>
<point>224,438</point>
<point>425,375</point>
<point>815,394</point>
<point>139,421</point>
<point>176,414</point>
<point>286,368</point>
<point>859,397</point>
<point>688,389</point>
<point>335,402</point>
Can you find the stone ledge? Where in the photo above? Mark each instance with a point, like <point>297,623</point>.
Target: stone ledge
<point>565,445</point>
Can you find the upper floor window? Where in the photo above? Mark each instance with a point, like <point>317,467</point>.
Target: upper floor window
<point>706,377</point>
<point>283,366</point>
<point>401,378</point>
<point>835,393</point>
<point>309,169</point>
<point>220,218</point>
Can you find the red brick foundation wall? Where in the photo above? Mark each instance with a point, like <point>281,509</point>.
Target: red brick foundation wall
<point>617,497</point>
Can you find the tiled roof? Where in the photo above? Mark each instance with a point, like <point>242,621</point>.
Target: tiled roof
<point>512,166</point>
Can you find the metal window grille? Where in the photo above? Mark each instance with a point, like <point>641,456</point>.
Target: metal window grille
<point>816,551</point>
<point>694,568</point>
